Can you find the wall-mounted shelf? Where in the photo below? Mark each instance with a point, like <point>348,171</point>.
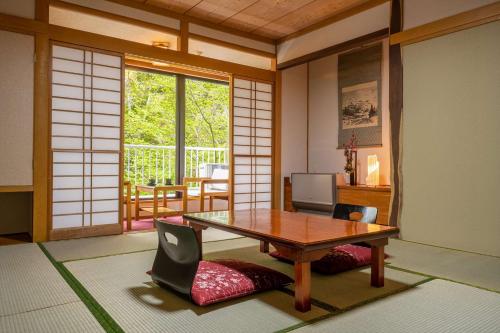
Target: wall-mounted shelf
<point>15,188</point>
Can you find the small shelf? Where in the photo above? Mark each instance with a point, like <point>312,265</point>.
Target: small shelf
<point>15,188</point>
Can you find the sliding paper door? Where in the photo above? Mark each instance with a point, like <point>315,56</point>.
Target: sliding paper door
<point>252,144</point>
<point>86,142</point>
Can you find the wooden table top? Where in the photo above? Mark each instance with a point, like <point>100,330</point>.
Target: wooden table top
<point>294,228</point>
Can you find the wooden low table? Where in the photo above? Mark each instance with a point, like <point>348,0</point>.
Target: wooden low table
<point>301,238</point>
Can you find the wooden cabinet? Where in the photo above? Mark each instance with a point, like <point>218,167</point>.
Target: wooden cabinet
<point>375,196</point>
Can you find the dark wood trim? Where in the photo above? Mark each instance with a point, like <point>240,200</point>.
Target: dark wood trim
<point>307,117</point>
<point>338,48</point>
<point>395,113</point>
<point>89,231</point>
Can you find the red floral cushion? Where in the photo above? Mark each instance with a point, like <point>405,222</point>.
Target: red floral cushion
<point>340,259</point>
<point>221,280</point>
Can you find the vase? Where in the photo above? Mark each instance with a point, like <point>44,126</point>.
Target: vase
<point>352,178</point>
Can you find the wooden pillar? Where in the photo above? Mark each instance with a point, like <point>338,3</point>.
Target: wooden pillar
<point>41,159</point>
<point>395,112</point>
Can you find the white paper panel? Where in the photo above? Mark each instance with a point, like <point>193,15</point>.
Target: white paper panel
<point>241,140</point>
<point>105,181</point>
<point>104,218</point>
<point>242,197</point>
<point>101,193</point>
<point>67,104</point>
<point>105,169</point>
<point>237,130</point>
<point>107,72</point>
<point>242,160</point>
<point>106,158</point>
<point>241,206</point>
<point>263,142</point>
<point>238,121</point>
<point>105,144</point>
<point>263,114</point>
<point>105,59</point>
<point>101,83</point>
<point>241,112</point>
<point>66,208</point>
<point>238,83</point>
<point>263,188</point>
<point>242,93</point>
<point>264,87</point>
<point>263,179</point>
<point>67,169</point>
<point>261,96</point>
<point>242,179</point>
<point>262,196</point>
<point>58,157</point>
<point>105,206</point>
<point>67,66</point>
<point>67,117</point>
<point>67,130</point>
<point>106,96</point>
<point>240,102</point>
<point>262,169</point>
<point>103,120</point>
<point>67,53</point>
<point>263,160</point>
<point>68,221</point>
<point>241,150</point>
<point>106,108</point>
<point>263,151</point>
<point>66,78</point>
<point>242,169</point>
<point>67,92</point>
<point>263,123</point>
<point>106,132</point>
<point>263,105</point>
<point>67,182</point>
<point>67,195</point>
<point>263,132</point>
<point>242,188</point>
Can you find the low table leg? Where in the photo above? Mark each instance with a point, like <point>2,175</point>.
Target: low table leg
<point>303,286</point>
<point>264,247</point>
<point>377,274</point>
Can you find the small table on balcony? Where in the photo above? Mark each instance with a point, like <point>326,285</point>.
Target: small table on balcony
<point>156,210</point>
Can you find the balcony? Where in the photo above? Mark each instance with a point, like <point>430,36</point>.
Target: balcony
<point>143,163</point>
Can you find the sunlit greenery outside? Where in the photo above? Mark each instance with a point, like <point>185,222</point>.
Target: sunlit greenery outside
<point>150,119</point>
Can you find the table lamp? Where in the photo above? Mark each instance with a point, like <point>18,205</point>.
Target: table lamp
<point>373,171</point>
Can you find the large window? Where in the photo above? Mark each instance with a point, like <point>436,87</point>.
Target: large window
<point>175,126</point>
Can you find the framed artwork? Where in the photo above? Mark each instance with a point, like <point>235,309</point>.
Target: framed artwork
<point>359,75</point>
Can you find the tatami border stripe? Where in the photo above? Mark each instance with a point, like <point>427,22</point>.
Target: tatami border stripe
<point>106,321</point>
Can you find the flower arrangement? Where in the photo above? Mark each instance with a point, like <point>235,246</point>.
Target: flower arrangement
<point>349,150</point>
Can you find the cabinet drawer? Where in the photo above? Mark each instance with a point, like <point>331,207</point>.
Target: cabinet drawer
<point>378,199</point>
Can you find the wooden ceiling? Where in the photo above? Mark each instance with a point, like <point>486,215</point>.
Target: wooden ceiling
<point>273,19</point>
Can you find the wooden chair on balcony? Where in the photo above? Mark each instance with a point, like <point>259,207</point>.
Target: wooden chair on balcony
<point>156,209</point>
<point>208,188</point>
<point>127,199</point>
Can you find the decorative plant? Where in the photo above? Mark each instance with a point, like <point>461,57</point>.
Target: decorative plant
<point>152,182</point>
<point>349,149</point>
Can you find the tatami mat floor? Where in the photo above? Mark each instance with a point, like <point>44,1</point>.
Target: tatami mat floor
<point>102,286</point>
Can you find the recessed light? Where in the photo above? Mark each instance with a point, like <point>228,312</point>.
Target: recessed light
<point>162,45</point>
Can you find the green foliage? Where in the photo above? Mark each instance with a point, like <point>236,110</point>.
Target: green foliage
<point>150,119</point>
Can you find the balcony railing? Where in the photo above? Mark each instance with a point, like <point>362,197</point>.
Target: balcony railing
<point>145,162</point>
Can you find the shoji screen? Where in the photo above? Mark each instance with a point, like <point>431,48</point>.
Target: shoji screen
<point>252,144</point>
<point>86,137</point>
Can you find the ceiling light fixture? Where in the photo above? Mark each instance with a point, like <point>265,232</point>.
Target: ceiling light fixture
<point>162,45</point>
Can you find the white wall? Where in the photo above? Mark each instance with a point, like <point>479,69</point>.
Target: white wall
<point>374,19</point>
<point>23,8</point>
<point>16,108</point>
<point>323,121</point>
<point>451,141</point>
<point>293,121</point>
<point>418,12</point>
